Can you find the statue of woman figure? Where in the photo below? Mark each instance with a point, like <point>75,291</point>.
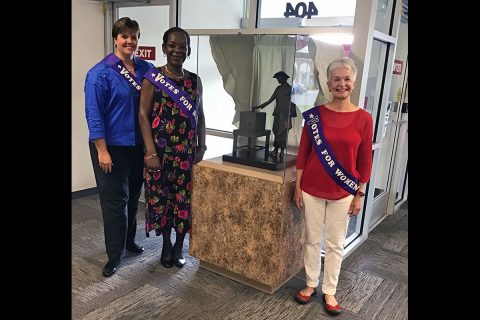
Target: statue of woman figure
<point>281,114</point>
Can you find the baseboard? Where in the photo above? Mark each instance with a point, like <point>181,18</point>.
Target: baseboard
<point>84,193</point>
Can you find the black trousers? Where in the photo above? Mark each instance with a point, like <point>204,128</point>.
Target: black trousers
<point>119,192</point>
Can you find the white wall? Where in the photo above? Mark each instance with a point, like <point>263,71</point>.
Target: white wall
<point>87,50</point>
<point>212,14</point>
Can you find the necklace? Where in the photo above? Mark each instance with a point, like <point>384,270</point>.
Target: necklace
<point>174,76</point>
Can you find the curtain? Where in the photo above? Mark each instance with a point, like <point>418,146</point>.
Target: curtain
<point>272,53</point>
<point>232,54</point>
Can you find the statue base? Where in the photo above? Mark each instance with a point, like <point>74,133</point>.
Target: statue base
<point>256,158</point>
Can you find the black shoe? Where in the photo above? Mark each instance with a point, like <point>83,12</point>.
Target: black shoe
<point>167,263</point>
<point>167,251</point>
<point>179,262</point>
<point>135,248</point>
<point>109,270</point>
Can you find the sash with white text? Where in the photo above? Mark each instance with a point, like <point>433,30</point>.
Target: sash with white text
<point>325,154</point>
<point>181,98</point>
<point>116,64</point>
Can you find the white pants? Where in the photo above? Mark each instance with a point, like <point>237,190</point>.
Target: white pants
<point>334,215</point>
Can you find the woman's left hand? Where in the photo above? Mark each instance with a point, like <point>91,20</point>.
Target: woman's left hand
<point>355,206</point>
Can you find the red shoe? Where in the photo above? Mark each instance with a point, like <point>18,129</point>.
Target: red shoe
<point>302,299</point>
<point>331,310</point>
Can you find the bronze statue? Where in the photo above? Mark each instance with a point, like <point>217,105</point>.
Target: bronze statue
<point>281,114</point>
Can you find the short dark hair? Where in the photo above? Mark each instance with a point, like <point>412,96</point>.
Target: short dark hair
<point>125,24</point>
<point>177,29</point>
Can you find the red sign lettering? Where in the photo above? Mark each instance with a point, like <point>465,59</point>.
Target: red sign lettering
<point>146,53</point>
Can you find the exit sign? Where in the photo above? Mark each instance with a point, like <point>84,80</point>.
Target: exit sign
<point>146,53</point>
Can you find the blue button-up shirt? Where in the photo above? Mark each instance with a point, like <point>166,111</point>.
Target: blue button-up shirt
<point>112,104</point>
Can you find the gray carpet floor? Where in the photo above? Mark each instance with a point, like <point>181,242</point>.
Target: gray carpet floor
<point>372,284</point>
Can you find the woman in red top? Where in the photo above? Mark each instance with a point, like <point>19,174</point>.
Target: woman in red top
<point>348,131</point>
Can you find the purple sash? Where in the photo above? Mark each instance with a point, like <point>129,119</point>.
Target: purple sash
<point>116,64</point>
<point>325,154</point>
<point>181,98</point>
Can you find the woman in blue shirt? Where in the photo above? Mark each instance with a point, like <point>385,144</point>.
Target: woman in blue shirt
<point>112,97</point>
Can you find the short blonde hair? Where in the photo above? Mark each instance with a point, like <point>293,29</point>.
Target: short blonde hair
<point>344,62</point>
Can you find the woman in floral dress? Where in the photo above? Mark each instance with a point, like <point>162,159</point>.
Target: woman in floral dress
<point>173,143</point>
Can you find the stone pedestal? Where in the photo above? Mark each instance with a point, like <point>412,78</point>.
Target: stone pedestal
<point>245,225</point>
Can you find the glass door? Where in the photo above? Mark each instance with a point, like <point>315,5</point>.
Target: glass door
<point>153,20</point>
<point>390,185</point>
<point>392,142</point>
<point>391,133</point>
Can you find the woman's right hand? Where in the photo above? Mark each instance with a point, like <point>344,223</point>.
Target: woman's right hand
<point>152,162</point>
<point>105,161</point>
<point>298,197</point>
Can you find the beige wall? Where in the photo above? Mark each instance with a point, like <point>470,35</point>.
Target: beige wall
<point>87,49</point>
<point>400,54</point>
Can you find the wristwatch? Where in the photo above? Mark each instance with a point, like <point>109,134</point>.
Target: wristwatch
<point>360,193</point>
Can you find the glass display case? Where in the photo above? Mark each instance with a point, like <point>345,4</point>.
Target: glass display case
<point>255,88</point>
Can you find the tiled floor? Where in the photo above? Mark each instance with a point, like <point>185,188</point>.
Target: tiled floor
<point>372,285</point>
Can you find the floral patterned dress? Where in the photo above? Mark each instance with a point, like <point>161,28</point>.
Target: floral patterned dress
<point>168,191</point>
